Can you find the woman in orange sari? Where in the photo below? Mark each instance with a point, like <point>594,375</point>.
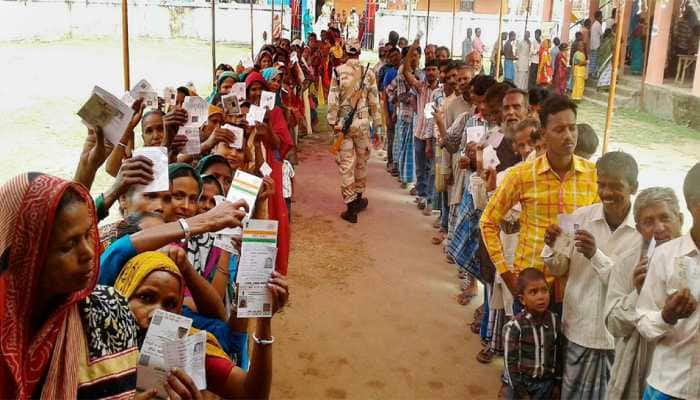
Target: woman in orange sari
<point>544,71</point>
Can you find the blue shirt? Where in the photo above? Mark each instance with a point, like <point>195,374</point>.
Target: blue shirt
<point>113,259</point>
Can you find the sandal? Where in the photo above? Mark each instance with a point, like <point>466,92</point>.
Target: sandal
<point>464,299</point>
<point>476,327</point>
<point>437,239</point>
<point>485,356</point>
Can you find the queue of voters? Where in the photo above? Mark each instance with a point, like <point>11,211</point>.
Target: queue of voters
<point>586,284</point>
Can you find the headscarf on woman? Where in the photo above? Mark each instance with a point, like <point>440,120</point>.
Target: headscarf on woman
<point>215,90</point>
<point>60,361</point>
<point>270,73</point>
<point>140,267</point>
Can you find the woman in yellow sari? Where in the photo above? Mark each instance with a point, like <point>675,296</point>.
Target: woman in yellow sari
<point>152,281</point>
<point>579,72</point>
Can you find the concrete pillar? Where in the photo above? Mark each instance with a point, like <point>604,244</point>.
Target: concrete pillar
<point>547,11</point>
<point>658,49</point>
<point>696,80</point>
<point>566,21</point>
<point>592,8</point>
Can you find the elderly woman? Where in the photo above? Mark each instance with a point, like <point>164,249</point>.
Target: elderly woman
<point>658,218</point>
<point>152,281</point>
<point>61,337</point>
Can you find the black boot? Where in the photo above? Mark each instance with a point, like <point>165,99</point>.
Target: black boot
<point>361,203</point>
<point>350,214</point>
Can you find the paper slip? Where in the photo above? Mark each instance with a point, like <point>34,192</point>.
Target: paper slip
<point>244,186</point>
<point>267,100</point>
<point>144,90</point>
<point>152,370</point>
<point>293,59</point>
<point>159,157</point>
<point>265,169</point>
<point>226,231</point>
<point>651,249</point>
<point>495,139</point>
<point>225,242</point>
<point>428,110</point>
<point>258,255</point>
<point>247,62</point>
<point>193,145</point>
<point>255,114</point>
<point>231,106</point>
<point>197,110</point>
<point>117,117</point>
<point>170,96</point>
<point>188,354</point>
<point>564,244</point>
<point>239,90</point>
<point>491,160</point>
<point>686,274</point>
<point>127,99</point>
<point>238,135</point>
<point>475,134</point>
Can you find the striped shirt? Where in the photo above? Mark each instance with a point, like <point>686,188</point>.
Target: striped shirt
<point>532,349</point>
<point>542,195</point>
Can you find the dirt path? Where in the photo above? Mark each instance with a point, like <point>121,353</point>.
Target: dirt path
<point>373,312</point>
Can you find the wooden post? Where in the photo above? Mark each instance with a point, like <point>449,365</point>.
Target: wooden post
<point>527,17</point>
<point>410,14</point>
<point>452,39</point>
<point>252,35</point>
<point>499,41</point>
<point>613,82</point>
<point>647,45</point>
<point>272,23</point>
<point>125,45</point>
<point>427,25</point>
<point>213,39</point>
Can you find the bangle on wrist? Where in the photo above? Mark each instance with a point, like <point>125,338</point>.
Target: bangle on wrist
<point>185,228</point>
<point>263,342</point>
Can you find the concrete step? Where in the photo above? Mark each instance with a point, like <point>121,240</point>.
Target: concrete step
<point>601,98</point>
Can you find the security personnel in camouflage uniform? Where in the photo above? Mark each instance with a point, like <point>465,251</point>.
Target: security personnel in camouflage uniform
<point>355,148</point>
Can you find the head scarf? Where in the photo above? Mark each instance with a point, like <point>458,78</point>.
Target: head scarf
<point>139,267</point>
<point>254,77</point>
<point>225,75</point>
<point>28,212</point>
<point>215,110</point>
<point>270,73</point>
<point>262,54</point>
<point>210,160</point>
<point>177,167</point>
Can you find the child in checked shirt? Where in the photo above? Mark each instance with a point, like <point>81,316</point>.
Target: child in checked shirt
<point>533,344</point>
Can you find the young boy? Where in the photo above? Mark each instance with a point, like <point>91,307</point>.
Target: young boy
<point>598,234</point>
<point>533,344</point>
<point>667,307</point>
<point>587,143</point>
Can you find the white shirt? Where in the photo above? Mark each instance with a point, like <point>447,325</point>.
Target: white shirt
<point>523,54</point>
<point>534,52</point>
<point>676,363</point>
<point>596,33</point>
<point>583,316</point>
<point>287,175</point>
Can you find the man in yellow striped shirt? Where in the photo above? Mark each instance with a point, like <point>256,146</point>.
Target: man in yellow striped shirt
<point>557,182</point>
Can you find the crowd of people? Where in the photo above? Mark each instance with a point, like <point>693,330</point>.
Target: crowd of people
<point>587,292</point>
<point>587,285</point>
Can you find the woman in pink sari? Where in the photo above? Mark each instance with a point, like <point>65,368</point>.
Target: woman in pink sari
<point>561,70</point>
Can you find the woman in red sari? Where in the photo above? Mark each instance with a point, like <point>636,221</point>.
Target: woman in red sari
<point>544,71</point>
<point>278,143</point>
<point>561,70</point>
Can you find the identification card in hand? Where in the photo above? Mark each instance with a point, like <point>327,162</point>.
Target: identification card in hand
<point>239,90</point>
<point>265,169</point>
<point>491,160</point>
<point>193,145</point>
<point>245,187</point>
<point>197,110</point>
<point>255,114</point>
<point>564,244</point>
<point>428,110</point>
<point>117,116</point>
<point>475,134</point>
<point>226,231</point>
<point>237,136</point>
<point>293,58</point>
<point>231,106</point>
<point>170,96</point>
<point>144,90</point>
<point>152,370</point>
<point>267,100</point>
<point>495,138</point>
<point>159,158</point>
<point>651,249</point>
<point>188,354</point>
<point>258,255</point>
<point>686,274</point>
